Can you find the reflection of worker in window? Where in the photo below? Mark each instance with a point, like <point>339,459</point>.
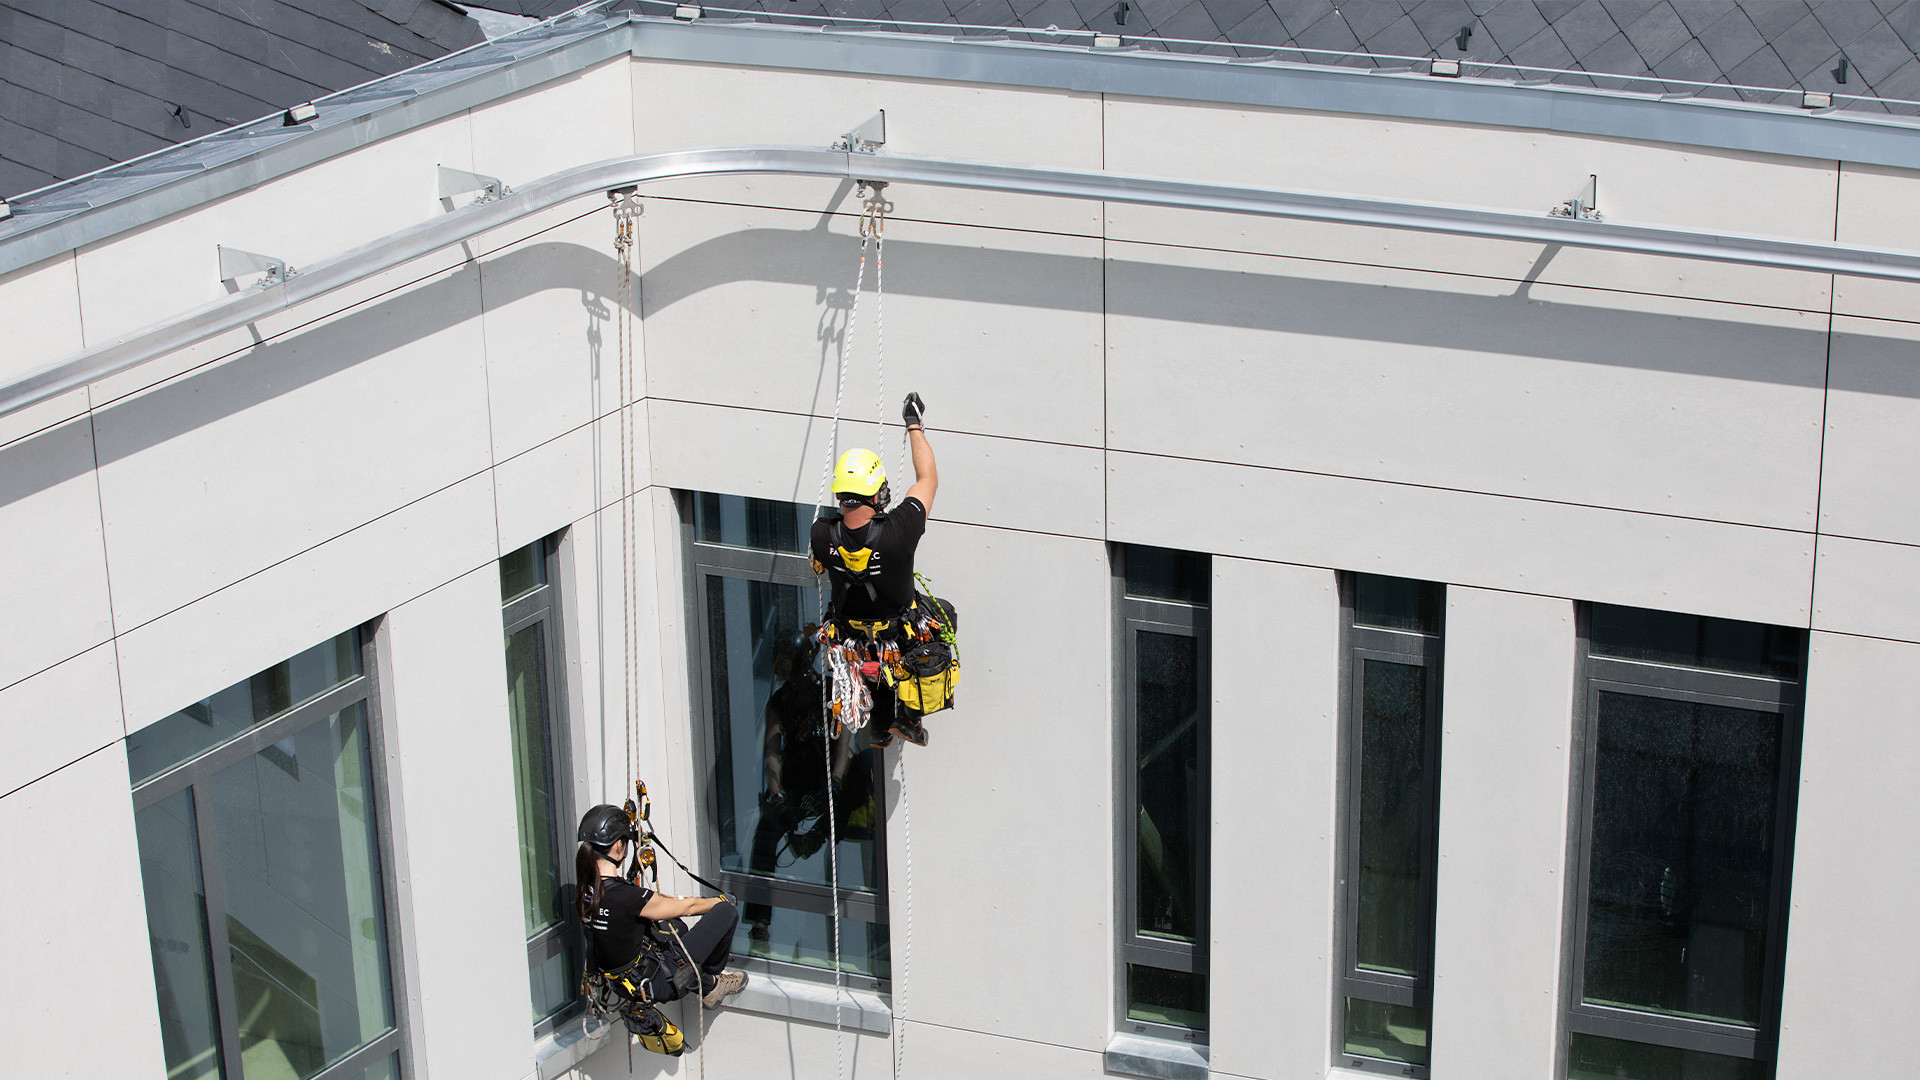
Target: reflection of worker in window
<point>867,553</point>
<point>793,798</point>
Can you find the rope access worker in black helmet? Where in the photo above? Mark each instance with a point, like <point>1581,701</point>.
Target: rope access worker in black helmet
<point>867,553</point>
<point>617,913</point>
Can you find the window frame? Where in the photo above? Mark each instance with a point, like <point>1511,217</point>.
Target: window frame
<point>1132,614</point>
<point>195,775</point>
<point>1425,650</point>
<point>544,604</point>
<point>1673,682</point>
<point>702,560</point>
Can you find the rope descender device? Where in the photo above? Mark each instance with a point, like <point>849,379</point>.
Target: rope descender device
<point>637,815</point>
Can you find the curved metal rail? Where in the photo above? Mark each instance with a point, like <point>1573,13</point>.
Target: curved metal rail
<point>419,240</point>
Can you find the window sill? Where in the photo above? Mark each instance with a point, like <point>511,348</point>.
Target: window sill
<point>563,1048</point>
<point>1156,1059</point>
<point>799,999</point>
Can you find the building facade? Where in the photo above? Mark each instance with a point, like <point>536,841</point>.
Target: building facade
<point>1386,651</point>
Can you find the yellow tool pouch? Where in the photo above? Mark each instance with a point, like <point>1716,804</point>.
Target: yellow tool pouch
<point>667,1040</point>
<point>930,674</point>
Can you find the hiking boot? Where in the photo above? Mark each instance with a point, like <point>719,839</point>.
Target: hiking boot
<point>911,730</point>
<point>725,985</point>
<point>881,739</point>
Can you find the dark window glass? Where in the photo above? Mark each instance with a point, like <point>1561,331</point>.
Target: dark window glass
<point>205,724</point>
<point>1397,603</point>
<point>1591,1057</point>
<point>306,927</point>
<point>387,1068</point>
<point>1667,637</point>
<point>1159,996</point>
<point>773,774</point>
<point>1681,869</point>
<point>527,715</point>
<point>1183,577</point>
<point>177,931</point>
<point>522,571</point>
<point>1170,813</point>
<point>1392,913</point>
<point>737,521</point>
<point>1388,1032</point>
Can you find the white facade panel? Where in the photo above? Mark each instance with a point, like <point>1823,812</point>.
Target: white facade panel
<point>448,690</point>
<point>57,600</point>
<point>1513,170</point>
<point>1853,858</point>
<point>579,118</point>
<point>1276,662</point>
<point>1506,760</point>
<point>544,488</point>
<point>200,489</point>
<point>261,620</point>
<point>59,716</point>
<point>1865,587</point>
<point>943,1053</point>
<point>52,1020</point>
<point>1666,406</point>
<point>40,307</point>
<point>1673,564</point>
<point>1871,466</point>
<point>1877,210</point>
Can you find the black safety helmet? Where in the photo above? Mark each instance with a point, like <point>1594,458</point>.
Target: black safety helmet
<point>604,826</point>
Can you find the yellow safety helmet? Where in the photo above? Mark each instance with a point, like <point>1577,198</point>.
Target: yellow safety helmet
<point>860,477</point>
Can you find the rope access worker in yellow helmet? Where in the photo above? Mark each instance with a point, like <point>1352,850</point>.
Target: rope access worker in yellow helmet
<point>867,553</point>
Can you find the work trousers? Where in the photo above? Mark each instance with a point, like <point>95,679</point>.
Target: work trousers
<point>710,942</point>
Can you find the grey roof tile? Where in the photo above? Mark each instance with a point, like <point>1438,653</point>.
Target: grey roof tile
<point>1905,20</point>
<point>1762,69</point>
<point>1731,40</point>
<point>1625,11</point>
<point>1402,38</point>
<point>1262,27</point>
<point>1584,28</point>
<point>1439,23</point>
<point>1700,14</point>
<point>1062,14</point>
<point>1773,17</point>
<point>1657,34</point>
<point>1192,23</point>
<point>1805,47</point>
<point>1903,84</point>
<point>1369,17</point>
<point>926,11</point>
<point>1615,56</point>
<point>1230,13</point>
<point>1298,16</point>
<point>986,13</point>
<point>1512,22</point>
<point>1689,62</point>
<point>1878,53</point>
<point>1331,33</point>
<point>29,32</point>
<point>1846,19</point>
<point>1543,50</point>
<point>1551,10</point>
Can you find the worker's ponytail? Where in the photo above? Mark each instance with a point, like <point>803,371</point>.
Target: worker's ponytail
<point>586,871</point>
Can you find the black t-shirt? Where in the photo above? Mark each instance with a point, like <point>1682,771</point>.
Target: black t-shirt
<point>615,931</point>
<point>883,586</point>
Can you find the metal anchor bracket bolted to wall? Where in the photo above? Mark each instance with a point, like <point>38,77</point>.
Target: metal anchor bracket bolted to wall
<point>868,137</point>
<point>234,263</point>
<point>1584,205</point>
<point>459,182</point>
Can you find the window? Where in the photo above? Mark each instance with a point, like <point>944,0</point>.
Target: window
<point>261,849</point>
<point>536,697</point>
<point>1691,728</point>
<point>1390,827</point>
<point>1164,804</point>
<point>753,592</point>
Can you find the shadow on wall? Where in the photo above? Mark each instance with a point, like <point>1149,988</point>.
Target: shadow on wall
<point>1507,324</point>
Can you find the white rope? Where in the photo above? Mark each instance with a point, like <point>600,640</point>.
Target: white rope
<point>623,214</point>
<point>906,954</point>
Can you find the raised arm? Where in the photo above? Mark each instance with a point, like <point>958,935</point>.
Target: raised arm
<point>926,478</point>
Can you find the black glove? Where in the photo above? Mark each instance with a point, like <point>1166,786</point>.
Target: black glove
<point>911,408</point>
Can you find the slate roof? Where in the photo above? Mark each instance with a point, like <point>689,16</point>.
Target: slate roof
<point>86,83</point>
<point>1658,46</point>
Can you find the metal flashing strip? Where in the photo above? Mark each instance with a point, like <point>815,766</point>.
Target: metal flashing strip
<point>400,247</point>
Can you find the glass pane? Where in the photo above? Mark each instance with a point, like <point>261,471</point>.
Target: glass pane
<point>205,724</point>
<point>1681,873</point>
<point>1667,637</point>
<point>1590,1057</point>
<point>1397,603</point>
<point>1164,574</point>
<point>533,783</point>
<point>387,1068</point>
<point>1389,1032</point>
<point>1171,817</point>
<point>1393,807</point>
<point>737,521</point>
<point>1158,996</point>
<point>305,922</point>
<point>522,571</point>
<point>805,938</point>
<point>554,979</point>
<point>177,932</point>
